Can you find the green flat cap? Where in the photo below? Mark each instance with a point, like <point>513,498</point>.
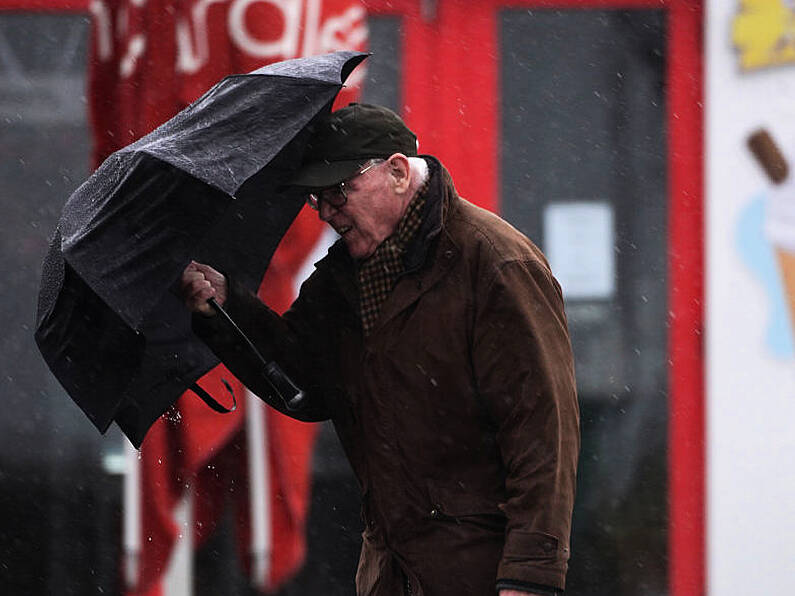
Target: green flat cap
<point>346,139</point>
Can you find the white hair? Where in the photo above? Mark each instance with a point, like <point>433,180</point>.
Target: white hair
<point>419,169</point>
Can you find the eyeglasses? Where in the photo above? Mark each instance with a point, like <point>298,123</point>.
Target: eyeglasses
<point>336,195</point>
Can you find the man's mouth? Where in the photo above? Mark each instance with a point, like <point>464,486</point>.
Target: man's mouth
<point>342,230</point>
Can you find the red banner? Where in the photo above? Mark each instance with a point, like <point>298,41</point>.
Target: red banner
<point>149,59</point>
<point>152,58</point>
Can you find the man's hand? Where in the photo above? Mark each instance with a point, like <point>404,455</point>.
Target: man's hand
<point>198,284</point>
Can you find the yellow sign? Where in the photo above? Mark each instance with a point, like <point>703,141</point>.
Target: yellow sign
<point>764,32</point>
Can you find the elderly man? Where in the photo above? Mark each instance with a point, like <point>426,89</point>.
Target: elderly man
<point>433,335</point>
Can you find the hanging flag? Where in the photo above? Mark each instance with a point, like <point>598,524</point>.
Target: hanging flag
<point>149,59</point>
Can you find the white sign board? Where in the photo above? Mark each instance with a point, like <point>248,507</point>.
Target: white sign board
<point>578,242</point>
<point>750,84</point>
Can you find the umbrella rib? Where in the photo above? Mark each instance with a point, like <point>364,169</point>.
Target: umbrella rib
<point>302,81</point>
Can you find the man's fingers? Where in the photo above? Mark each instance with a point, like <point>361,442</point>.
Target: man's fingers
<point>199,283</point>
<point>201,291</point>
<point>191,281</point>
<point>204,269</point>
<point>196,268</point>
<point>198,301</point>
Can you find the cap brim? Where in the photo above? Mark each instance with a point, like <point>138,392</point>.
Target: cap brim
<point>324,173</point>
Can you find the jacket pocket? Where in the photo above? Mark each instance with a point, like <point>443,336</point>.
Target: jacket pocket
<point>456,501</point>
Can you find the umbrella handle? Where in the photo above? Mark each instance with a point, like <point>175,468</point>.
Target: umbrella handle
<point>280,383</point>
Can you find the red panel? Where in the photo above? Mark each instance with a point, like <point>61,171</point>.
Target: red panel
<point>404,8</point>
<point>450,93</point>
<point>587,4</point>
<point>686,289</point>
<point>45,5</point>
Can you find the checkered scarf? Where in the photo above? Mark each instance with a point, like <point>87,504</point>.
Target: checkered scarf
<point>378,274</point>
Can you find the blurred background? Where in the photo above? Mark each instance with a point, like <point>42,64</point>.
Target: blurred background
<point>579,122</point>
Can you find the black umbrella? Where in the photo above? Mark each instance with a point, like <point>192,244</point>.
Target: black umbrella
<point>206,185</point>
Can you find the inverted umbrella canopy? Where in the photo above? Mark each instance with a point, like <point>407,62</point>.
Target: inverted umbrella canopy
<point>206,185</point>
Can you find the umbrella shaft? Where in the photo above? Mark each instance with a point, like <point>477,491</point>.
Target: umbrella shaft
<point>280,383</point>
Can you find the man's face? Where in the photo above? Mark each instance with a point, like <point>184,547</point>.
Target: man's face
<point>370,214</point>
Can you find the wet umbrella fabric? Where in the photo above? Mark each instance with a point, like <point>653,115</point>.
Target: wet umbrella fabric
<point>206,185</point>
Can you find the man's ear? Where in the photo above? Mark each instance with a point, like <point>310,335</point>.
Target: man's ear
<point>400,171</point>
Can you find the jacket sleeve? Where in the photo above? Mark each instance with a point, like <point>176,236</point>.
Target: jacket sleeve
<point>293,340</point>
<point>525,373</point>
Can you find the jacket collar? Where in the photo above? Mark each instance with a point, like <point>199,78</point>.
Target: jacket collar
<point>442,201</point>
<point>432,216</point>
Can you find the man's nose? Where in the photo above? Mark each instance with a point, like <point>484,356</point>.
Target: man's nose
<point>326,211</point>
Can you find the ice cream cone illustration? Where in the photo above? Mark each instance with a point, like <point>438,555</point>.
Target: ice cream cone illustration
<point>786,263</point>
<point>780,220</point>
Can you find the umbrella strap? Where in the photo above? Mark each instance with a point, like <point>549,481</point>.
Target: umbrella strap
<point>212,402</point>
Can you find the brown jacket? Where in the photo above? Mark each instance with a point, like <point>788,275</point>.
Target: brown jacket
<point>458,413</point>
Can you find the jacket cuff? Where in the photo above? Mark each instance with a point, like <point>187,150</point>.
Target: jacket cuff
<point>534,558</point>
<point>511,584</point>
